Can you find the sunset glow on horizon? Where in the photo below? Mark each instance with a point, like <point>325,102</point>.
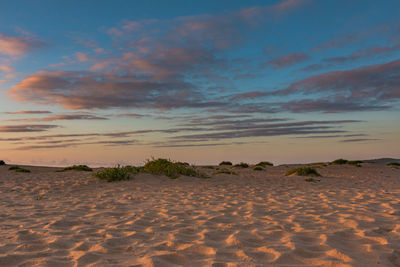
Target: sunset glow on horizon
<point>288,81</point>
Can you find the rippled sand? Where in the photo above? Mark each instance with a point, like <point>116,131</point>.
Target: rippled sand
<point>351,217</point>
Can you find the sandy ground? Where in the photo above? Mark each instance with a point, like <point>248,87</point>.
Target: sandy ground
<point>351,217</point>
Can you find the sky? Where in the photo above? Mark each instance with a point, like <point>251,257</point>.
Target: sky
<point>118,82</point>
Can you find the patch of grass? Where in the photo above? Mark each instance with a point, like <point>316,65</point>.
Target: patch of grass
<point>339,162</point>
<point>117,173</point>
<point>171,169</point>
<point>356,163</point>
<point>132,169</point>
<point>264,164</point>
<point>77,168</point>
<point>258,168</point>
<point>303,171</point>
<point>2,162</point>
<point>393,164</point>
<point>319,164</point>
<point>225,171</point>
<point>242,165</point>
<point>225,163</point>
<point>18,169</point>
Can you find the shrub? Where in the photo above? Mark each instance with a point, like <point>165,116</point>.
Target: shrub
<point>171,169</point>
<point>393,164</point>
<point>258,168</point>
<point>2,162</point>
<point>225,163</point>
<point>131,169</point>
<point>18,169</point>
<point>225,171</point>
<point>117,173</point>
<point>303,171</point>
<point>339,161</point>
<point>264,164</point>
<point>242,165</point>
<point>208,167</point>
<point>78,168</point>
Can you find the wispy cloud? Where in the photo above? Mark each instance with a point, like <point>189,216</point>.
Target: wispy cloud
<point>26,128</point>
<point>286,61</point>
<point>24,112</point>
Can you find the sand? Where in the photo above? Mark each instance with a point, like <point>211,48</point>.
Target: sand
<point>351,217</point>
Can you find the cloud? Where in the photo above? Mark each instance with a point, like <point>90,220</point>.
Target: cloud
<point>23,112</point>
<point>374,87</point>
<point>363,53</point>
<point>359,140</point>
<point>234,131</point>
<point>18,45</point>
<point>26,128</point>
<point>330,136</point>
<point>153,67</point>
<point>286,61</point>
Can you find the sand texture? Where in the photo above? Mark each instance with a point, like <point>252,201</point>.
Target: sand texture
<point>351,217</point>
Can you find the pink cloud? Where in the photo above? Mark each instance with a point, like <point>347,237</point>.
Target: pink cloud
<point>17,45</point>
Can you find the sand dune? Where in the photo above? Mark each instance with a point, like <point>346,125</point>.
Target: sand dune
<point>351,217</point>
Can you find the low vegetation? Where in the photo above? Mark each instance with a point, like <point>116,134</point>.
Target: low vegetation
<point>258,168</point>
<point>264,164</point>
<point>242,165</point>
<point>393,164</point>
<point>303,171</point>
<point>225,171</point>
<point>225,163</point>
<point>18,169</point>
<point>117,173</point>
<point>171,169</point>
<point>356,163</point>
<point>2,162</point>
<point>77,168</point>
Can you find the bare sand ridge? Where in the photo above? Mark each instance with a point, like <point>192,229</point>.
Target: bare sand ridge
<point>351,217</point>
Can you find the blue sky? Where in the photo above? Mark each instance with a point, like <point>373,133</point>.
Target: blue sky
<point>287,81</point>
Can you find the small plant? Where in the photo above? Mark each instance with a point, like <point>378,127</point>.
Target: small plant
<point>18,169</point>
<point>303,171</point>
<point>242,165</point>
<point>208,167</point>
<point>258,168</point>
<point>225,163</point>
<point>264,164</point>
<point>77,168</point>
<point>171,169</point>
<point>393,164</point>
<point>345,161</point>
<point>131,169</point>
<point>339,162</point>
<point>2,162</point>
<point>225,171</point>
<point>117,173</point>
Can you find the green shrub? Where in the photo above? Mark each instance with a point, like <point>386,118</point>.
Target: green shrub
<point>393,164</point>
<point>208,167</point>
<point>225,171</point>
<point>77,168</point>
<point>117,173</point>
<point>131,169</point>
<point>258,168</point>
<point>225,163</point>
<point>2,162</point>
<point>339,161</point>
<point>264,164</point>
<point>303,171</point>
<point>171,169</point>
<point>18,169</point>
<point>242,165</point>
